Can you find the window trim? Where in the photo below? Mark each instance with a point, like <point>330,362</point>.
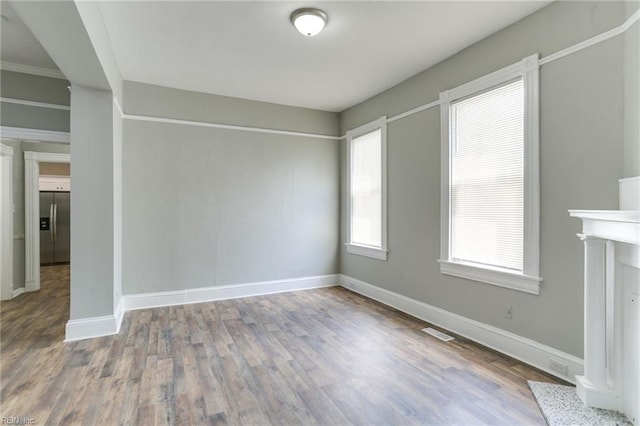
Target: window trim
<point>529,280</point>
<point>379,253</point>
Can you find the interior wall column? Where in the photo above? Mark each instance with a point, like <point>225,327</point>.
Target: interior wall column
<point>92,204</point>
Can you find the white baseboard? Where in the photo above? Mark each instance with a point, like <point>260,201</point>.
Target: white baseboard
<point>119,314</point>
<point>110,324</point>
<point>597,396</point>
<point>17,292</point>
<point>521,348</point>
<point>209,294</point>
<point>86,328</point>
<point>30,286</point>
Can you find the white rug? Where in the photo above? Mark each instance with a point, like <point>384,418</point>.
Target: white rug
<point>561,406</point>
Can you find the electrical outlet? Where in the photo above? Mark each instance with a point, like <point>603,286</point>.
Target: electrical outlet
<point>507,312</point>
<point>559,367</point>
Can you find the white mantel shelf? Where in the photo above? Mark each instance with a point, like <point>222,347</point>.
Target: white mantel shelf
<point>614,225</point>
<point>611,360</point>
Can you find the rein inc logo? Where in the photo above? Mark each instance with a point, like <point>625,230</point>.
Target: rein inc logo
<point>9,420</point>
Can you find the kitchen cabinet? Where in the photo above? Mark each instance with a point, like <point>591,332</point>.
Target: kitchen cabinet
<point>54,183</point>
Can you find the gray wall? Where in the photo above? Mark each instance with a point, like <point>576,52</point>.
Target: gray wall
<point>19,148</point>
<point>632,96</point>
<point>36,89</point>
<point>92,203</point>
<point>581,160</point>
<point>208,207</point>
<point>156,101</point>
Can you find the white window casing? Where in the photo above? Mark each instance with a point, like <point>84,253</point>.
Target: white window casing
<point>510,267</point>
<point>367,190</point>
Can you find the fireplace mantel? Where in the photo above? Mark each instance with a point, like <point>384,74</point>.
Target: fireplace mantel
<point>614,225</point>
<point>610,311</point>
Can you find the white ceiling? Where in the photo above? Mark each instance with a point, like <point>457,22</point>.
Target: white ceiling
<point>250,49</point>
<point>19,45</point>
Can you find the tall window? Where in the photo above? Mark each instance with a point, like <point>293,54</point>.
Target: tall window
<point>487,177</point>
<point>490,176</point>
<point>367,190</point>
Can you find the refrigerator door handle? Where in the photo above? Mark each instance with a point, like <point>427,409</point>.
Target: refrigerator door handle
<point>51,222</point>
<point>55,222</point>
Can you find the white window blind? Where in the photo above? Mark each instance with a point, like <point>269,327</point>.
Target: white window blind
<point>366,189</point>
<point>487,177</point>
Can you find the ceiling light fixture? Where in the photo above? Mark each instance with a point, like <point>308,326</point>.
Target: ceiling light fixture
<point>309,21</point>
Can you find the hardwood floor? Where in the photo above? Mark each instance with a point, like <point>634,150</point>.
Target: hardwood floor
<point>324,356</point>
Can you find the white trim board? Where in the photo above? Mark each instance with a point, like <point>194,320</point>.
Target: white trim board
<point>18,291</point>
<point>35,104</point>
<point>107,325</point>
<point>6,222</point>
<point>225,126</point>
<point>6,150</point>
<point>33,70</point>
<point>87,328</point>
<point>226,292</point>
<point>513,345</point>
<point>37,135</point>
<point>593,40</point>
<point>119,313</point>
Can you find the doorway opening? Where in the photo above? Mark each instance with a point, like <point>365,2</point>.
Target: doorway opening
<point>46,220</point>
<point>54,184</point>
<point>36,317</point>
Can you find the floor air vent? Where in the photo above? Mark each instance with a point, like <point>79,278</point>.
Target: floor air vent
<point>437,334</point>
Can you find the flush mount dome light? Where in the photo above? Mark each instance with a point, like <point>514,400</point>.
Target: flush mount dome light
<point>309,21</point>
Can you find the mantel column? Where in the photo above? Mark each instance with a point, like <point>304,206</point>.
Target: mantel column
<point>594,314</point>
<point>593,388</point>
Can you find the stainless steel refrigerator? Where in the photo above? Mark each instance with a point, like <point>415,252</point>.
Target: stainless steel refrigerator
<point>55,227</point>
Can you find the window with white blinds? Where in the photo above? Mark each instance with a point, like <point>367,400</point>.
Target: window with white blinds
<point>487,177</point>
<point>367,190</point>
<point>490,178</point>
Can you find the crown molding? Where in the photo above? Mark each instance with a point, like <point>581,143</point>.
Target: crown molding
<point>33,70</point>
<point>34,104</point>
<point>37,135</point>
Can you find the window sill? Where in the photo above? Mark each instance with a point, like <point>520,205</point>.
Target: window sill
<point>514,281</point>
<point>368,251</point>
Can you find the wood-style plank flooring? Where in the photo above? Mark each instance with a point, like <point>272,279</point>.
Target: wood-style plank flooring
<point>325,356</point>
